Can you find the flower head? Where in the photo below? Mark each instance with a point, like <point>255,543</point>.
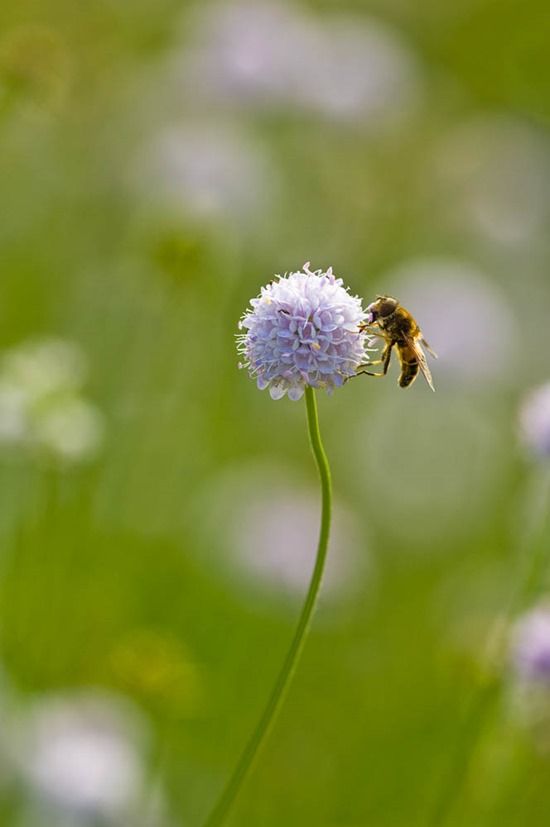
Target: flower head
<point>534,421</point>
<point>531,645</point>
<point>42,408</point>
<point>272,54</point>
<point>303,330</point>
<point>83,754</point>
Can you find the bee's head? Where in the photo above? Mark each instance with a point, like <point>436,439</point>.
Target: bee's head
<point>381,308</point>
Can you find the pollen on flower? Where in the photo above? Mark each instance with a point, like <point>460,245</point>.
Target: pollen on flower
<point>302,330</point>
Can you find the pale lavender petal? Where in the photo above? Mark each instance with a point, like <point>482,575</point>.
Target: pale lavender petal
<point>303,329</point>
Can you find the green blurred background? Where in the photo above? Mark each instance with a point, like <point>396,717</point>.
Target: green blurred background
<point>159,162</point>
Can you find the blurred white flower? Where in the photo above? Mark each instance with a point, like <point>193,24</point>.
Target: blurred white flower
<point>72,430</point>
<point>45,366</point>
<point>534,421</point>
<point>41,407</point>
<point>274,539</point>
<point>529,687</point>
<point>359,70</point>
<point>244,50</point>
<point>273,54</point>
<point>270,532</point>
<point>82,753</point>
<point>208,170</point>
<point>530,651</point>
<point>464,317</point>
<point>13,425</point>
<point>499,171</point>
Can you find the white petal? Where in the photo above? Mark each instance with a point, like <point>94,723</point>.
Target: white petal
<point>277,391</point>
<point>295,392</point>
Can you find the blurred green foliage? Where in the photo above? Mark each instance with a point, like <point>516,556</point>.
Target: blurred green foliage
<point>109,577</point>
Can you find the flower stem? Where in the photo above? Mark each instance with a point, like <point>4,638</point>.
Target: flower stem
<point>250,752</point>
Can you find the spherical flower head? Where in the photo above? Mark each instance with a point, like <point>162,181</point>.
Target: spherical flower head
<point>303,330</point>
<point>531,646</point>
<point>83,755</point>
<point>534,420</point>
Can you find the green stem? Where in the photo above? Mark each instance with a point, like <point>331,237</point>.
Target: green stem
<point>250,752</point>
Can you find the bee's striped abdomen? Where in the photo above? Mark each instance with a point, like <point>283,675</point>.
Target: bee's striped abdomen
<point>409,372</point>
<point>409,365</point>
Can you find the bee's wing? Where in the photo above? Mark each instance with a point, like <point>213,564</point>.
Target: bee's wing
<point>428,348</point>
<point>415,346</point>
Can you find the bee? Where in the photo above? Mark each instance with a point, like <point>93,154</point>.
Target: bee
<point>388,320</point>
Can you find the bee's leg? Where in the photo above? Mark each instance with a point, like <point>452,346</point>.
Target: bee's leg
<point>366,373</point>
<point>384,361</point>
<point>360,369</point>
<point>386,356</point>
<point>376,332</point>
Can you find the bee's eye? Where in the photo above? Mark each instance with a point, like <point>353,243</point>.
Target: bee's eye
<point>386,308</point>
